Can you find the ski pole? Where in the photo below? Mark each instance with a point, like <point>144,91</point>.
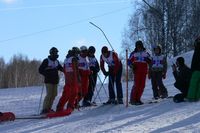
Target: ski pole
<point>93,87</point>
<point>103,34</point>
<point>40,99</point>
<point>126,78</point>
<point>99,89</point>
<point>103,86</point>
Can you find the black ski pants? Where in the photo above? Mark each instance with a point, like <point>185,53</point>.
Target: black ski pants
<point>92,85</point>
<point>117,80</point>
<point>157,84</point>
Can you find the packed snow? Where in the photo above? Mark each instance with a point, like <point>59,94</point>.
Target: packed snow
<point>165,116</point>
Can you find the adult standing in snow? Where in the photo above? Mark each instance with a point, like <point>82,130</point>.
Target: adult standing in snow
<point>49,69</point>
<point>72,82</point>
<point>84,70</point>
<point>194,88</point>
<point>182,75</point>
<point>114,72</point>
<point>94,67</point>
<point>138,61</point>
<point>157,72</point>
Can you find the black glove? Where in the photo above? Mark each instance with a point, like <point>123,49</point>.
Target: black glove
<point>106,73</point>
<point>174,68</point>
<point>132,66</point>
<point>147,60</point>
<point>111,70</point>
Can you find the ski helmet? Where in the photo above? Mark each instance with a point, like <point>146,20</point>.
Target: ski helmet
<point>83,48</point>
<point>69,53</point>
<point>157,47</point>
<point>139,44</point>
<point>53,50</point>
<point>104,49</point>
<point>91,49</point>
<point>76,50</point>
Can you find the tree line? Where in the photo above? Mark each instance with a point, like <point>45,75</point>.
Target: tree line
<point>19,72</point>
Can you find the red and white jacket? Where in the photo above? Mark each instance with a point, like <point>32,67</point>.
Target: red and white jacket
<point>140,60</point>
<point>83,65</point>
<point>113,62</point>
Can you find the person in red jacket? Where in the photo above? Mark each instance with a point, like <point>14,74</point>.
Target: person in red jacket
<point>72,83</point>
<point>138,61</point>
<point>84,70</point>
<point>94,67</point>
<point>114,72</point>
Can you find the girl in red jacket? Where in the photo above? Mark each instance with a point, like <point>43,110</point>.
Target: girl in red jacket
<point>84,70</point>
<point>72,84</point>
<point>138,61</point>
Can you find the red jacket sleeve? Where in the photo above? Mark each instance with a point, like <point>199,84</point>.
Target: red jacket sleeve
<point>117,63</point>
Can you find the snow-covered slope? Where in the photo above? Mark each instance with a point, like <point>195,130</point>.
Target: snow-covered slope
<point>165,116</point>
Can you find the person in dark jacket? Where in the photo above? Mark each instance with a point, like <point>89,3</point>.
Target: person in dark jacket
<point>182,75</point>
<point>94,67</point>
<point>49,69</point>
<point>114,72</point>
<point>194,89</point>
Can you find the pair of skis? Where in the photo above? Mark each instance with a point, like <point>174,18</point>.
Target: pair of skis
<point>48,115</point>
<point>63,113</point>
<point>159,100</point>
<point>155,100</point>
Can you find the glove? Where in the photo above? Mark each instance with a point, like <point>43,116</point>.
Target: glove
<point>91,72</point>
<point>149,75</point>
<point>112,71</point>
<point>174,68</point>
<point>106,73</point>
<point>164,75</point>
<point>132,66</point>
<point>147,60</point>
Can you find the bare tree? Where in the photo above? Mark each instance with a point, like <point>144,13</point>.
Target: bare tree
<point>19,72</point>
<point>2,70</point>
<point>173,24</point>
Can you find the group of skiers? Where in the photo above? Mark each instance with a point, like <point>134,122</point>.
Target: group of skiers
<point>81,71</point>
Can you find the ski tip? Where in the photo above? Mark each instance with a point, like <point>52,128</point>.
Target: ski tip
<point>7,116</point>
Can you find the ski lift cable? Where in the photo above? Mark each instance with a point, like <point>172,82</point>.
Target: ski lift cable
<point>65,5</point>
<point>63,26</point>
